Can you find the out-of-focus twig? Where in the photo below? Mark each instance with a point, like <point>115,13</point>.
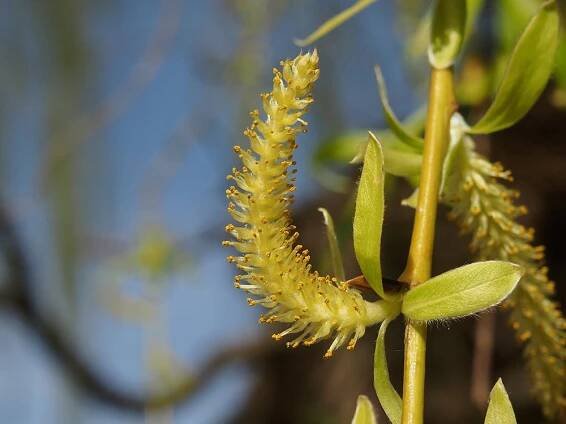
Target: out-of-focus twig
<point>144,71</point>
<point>17,296</point>
<point>481,367</point>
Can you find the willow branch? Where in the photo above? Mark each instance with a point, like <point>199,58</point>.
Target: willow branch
<point>441,106</point>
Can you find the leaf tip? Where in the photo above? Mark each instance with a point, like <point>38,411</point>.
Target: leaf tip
<point>325,214</point>
<point>500,409</point>
<point>499,383</point>
<point>365,413</point>
<point>373,137</point>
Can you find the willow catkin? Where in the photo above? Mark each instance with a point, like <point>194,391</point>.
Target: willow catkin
<point>485,208</point>
<point>276,270</point>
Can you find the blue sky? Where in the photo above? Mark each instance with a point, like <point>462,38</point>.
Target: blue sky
<point>202,310</point>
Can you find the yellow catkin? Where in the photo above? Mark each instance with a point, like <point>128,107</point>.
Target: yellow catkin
<point>485,208</point>
<point>276,270</point>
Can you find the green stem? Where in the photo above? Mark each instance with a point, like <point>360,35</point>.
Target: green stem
<point>440,108</point>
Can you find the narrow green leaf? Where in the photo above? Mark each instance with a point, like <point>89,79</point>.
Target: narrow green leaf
<point>332,180</point>
<point>336,257</point>
<point>418,41</point>
<point>334,22</point>
<point>359,158</point>
<point>511,18</point>
<point>462,291</point>
<point>412,200</point>
<point>403,166</point>
<point>447,32</point>
<point>398,160</point>
<point>388,397</point>
<point>340,149</point>
<point>337,150</point>
<point>452,175</point>
<point>364,412</point>
<point>560,72</point>
<point>500,410</point>
<point>527,72</point>
<point>401,163</point>
<point>456,158</point>
<point>368,218</point>
<point>394,124</point>
<point>350,147</point>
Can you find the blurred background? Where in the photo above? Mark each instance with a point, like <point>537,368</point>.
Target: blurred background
<point>117,120</point>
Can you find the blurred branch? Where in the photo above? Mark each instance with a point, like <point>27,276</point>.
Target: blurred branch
<point>481,368</point>
<point>18,297</point>
<point>86,126</point>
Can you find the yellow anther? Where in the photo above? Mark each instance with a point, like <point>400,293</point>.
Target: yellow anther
<point>525,336</point>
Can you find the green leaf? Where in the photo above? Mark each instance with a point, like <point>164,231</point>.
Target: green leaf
<point>398,160</point>
<point>412,200</point>
<point>452,171</point>
<point>394,124</point>
<point>341,148</point>
<point>364,412</point>
<point>359,158</point>
<point>447,32</point>
<point>401,163</point>
<point>512,16</point>
<point>339,151</point>
<point>527,72</point>
<point>500,410</point>
<point>332,180</point>
<point>462,291</point>
<point>456,159</point>
<point>560,71</point>
<point>334,22</point>
<point>388,397</point>
<point>336,257</point>
<point>350,147</point>
<point>368,217</point>
<point>417,41</point>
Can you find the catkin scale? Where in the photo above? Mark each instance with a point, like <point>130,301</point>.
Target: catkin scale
<point>276,270</point>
